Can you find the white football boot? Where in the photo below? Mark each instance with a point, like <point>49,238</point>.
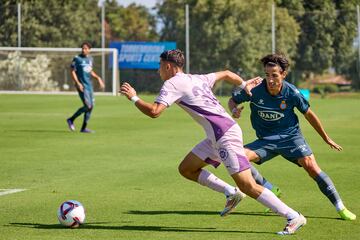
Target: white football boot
<point>293,225</point>
<point>232,201</point>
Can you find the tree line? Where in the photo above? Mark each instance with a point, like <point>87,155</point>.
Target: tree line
<point>317,35</point>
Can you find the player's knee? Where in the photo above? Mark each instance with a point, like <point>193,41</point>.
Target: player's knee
<point>183,170</point>
<point>251,185</point>
<point>249,188</point>
<point>313,171</point>
<point>310,166</point>
<point>245,183</point>
<point>188,172</point>
<point>88,107</point>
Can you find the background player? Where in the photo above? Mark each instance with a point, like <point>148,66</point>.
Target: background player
<point>81,73</point>
<point>277,127</point>
<point>224,137</point>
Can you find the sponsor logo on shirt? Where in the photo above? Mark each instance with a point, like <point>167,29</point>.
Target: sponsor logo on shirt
<point>87,69</point>
<point>270,115</point>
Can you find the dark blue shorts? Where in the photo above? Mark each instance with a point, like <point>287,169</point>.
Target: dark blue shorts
<point>87,97</point>
<point>291,148</point>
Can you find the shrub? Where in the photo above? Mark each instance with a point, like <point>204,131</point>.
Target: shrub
<point>20,73</point>
<point>331,88</point>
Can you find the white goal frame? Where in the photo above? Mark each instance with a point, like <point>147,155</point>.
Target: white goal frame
<point>114,51</point>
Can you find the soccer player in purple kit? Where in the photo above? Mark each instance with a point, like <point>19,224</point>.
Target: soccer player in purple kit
<point>224,137</point>
<point>277,128</point>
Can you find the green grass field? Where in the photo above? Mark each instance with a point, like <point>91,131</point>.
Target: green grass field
<point>126,174</point>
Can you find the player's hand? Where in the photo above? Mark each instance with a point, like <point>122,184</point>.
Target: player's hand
<point>101,84</point>
<point>333,144</point>
<point>251,83</point>
<point>236,111</point>
<point>127,90</point>
<point>80,87</point>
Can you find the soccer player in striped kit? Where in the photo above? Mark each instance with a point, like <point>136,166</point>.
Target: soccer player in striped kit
<point>223,142</point>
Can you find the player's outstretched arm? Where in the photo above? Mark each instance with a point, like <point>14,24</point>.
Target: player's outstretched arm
<point>316,124</point>
<point>229,77</point>
<point>152,110</point>
<point>235,79</point>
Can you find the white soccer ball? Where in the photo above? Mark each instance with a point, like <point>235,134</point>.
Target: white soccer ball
<point>66,86</point>
<point>71,214</point>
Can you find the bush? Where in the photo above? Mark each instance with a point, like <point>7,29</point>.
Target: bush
<point>20,73</point>
<point>318,89</point>
<point>326,88</point>
<point>331,88</point>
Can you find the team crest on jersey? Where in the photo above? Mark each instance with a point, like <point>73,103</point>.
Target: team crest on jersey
<point>223,153</point>
<point>283,105</point>
<point>270,115</point>
<point>261,101</point>
<point>87,69</point>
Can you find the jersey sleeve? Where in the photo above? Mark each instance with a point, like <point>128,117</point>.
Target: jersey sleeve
<point>208,78</point>
<point>301,103</point>
<point>240,96</point>
<point>73,64</point>
<point>168,94</point>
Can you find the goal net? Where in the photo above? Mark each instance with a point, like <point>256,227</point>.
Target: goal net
<point>47,70</point>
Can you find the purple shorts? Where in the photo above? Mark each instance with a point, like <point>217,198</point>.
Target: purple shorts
<point>228,149</point>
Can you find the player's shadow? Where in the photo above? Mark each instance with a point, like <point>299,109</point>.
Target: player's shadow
<point>39,131</point>
<point>319,217</point>
<point>136,228</point>
<point>138,212</point>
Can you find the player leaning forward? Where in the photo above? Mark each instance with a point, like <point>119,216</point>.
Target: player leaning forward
<point>224,137</point>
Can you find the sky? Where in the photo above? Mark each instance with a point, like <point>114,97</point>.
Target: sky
<point>146,3</point>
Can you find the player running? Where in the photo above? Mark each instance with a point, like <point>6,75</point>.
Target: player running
<point>81,73</point>
<point>277,128</point>
<point>224,137</point>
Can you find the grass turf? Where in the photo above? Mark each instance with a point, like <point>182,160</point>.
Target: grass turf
<point>126,174</point>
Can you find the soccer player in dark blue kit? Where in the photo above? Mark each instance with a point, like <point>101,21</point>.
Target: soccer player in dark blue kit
<point>81,73</point>
<point>277,128</point>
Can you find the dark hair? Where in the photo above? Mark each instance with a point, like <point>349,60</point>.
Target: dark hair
<point>276,59</point>
<point>86,44</point>
<point>175,56</point>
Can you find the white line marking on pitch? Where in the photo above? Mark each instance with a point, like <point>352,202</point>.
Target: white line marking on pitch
<point>10,191</point>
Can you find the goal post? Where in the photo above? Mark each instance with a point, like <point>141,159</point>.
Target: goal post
<point>47,70</point>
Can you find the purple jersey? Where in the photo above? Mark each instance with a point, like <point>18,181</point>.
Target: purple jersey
<point>193,94</point>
